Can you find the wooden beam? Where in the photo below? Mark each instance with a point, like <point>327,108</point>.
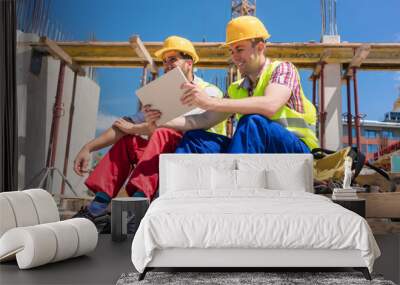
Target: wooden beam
<point>360,55</point>
<point>117,59</point>
<point>382,56</point>
<point>57,52</point>
<point>142,52</point>
<point>324,56</point>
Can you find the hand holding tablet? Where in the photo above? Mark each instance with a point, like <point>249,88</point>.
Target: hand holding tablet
<point>164,94</point>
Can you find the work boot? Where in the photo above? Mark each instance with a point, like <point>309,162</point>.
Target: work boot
<point>97,213</point>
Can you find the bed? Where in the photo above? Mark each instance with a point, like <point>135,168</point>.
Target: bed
<point>247,210</point>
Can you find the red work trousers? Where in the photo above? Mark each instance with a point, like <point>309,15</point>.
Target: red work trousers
<point>133,151</point>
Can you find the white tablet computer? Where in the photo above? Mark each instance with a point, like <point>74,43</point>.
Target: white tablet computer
<point>164,94</point>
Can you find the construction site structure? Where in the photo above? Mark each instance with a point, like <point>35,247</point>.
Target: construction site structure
<point>332,63</point>
<point>374,136</point>
<point>390,147</point>
<point>383,157</point>
<point>377,137</point>
<point>243,7</point>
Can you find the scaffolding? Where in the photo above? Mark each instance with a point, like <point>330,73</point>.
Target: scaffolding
<point>309,55</point>
<point>137,54</point>
<point>351,56</point>
<point>83,57</point>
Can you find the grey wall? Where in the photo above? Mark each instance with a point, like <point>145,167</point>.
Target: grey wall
<point>36,96</point>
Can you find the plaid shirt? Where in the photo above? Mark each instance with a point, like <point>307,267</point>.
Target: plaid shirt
<point>284,74</point>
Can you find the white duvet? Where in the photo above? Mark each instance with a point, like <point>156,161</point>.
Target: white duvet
<point>252,218</point>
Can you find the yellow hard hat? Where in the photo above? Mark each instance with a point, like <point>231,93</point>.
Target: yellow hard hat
<point>178,44</point>
<point>245,28</point>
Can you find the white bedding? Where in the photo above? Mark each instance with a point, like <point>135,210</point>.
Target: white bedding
<point>252,218</point>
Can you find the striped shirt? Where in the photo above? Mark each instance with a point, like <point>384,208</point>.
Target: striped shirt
<point>284,74</point>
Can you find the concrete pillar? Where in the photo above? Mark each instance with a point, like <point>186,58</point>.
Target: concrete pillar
<point>333,101</point>
<point>36,94</point>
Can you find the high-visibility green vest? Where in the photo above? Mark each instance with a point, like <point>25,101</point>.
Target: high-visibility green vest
<point>303,125</point>
<point>221,127</point>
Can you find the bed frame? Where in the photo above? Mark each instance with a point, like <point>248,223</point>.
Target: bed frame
<point>242,259</point>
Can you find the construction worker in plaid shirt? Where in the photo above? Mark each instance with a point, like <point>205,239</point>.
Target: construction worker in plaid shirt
<point>274,114</point>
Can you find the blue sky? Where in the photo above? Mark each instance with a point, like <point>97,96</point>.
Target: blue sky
<point>287,21</point>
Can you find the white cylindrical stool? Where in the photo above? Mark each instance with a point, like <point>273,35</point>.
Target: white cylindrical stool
<point>126,210</point>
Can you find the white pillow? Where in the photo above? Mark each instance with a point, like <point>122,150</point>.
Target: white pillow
<point>187,174</point>
<point>185,177</point>
<point>236,179</point>
<point>223,179</point>
<point>251,178</point>
<point>279,179</point>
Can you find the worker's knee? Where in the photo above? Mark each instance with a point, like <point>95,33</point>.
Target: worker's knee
<point>194,134</point>
<point>163,132</point>
<point>253,119</point>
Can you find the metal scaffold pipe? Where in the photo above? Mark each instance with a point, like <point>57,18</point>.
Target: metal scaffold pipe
<point>349,115</point>
<point>322,107</point>
<point>357,115</point>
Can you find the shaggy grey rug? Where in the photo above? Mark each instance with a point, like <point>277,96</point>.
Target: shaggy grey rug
<point>242,278</point>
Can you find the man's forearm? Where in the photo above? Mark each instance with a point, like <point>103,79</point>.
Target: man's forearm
<point>113,134</point>
<point>177,124</point>
<point>253,105</point>
<point>140,129</point>
<point>275,96</point>
<point>107,138</point>
<point>202,121</point>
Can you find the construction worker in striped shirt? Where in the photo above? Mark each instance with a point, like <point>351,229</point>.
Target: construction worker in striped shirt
<point>274,114</point>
